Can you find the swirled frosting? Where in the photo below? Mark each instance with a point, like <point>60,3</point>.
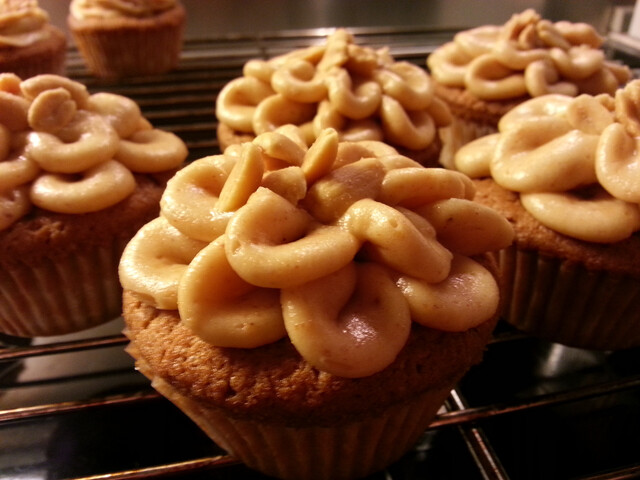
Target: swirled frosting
<point>360,92</point>
<point>527,56</point>
<point>65,150</point>
<point>22,23</point>
<point>337,245</point>
<point>83,9</point>
<point>574,161</point>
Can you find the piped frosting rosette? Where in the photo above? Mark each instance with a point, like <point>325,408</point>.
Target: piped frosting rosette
<point>574,162</point>
<point>22,23</point>
<point>527,56</point>
<point>362,93</point>
<point>339,246</point>
<point>84,9</point>
<point>65,150</point>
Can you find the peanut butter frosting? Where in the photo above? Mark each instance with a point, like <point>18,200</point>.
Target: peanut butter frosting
<point>337,245</point>
<point>65,150</point>
<point>573,161</point>
<point>83,9</point>
<point>362,93</point>
<point>528,56</point>
<point>22,23</point>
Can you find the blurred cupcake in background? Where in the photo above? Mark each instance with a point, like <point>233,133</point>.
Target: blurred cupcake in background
<point>122,38</point>
<point>29,43</point>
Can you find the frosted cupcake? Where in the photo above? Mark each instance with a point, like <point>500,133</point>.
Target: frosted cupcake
<point>80,173</point>
<point>564,171</point>
<point>122,38</point>
<point>317,300</point>
<point>362,93</point>
<point>486,71</point>
<point>29,43</point>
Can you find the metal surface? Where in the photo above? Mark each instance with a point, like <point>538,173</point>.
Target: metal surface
<point>74,407</point>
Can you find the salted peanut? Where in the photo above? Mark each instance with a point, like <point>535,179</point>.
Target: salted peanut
<point>552,105</point>
<point>280,147</point>
<point>244,179</point>
<point>271,243</point>
<point>99,187</point>
<point>16,168</point>
<point>602,81</point>
<point>600,218</point>
<point>577,62</point>
<point>198,185</point>
<point>34,86</point>
<point>297,80</point>
<point>327,116</point>
<point>13,112</point>
<point>618,163</point>
<point>51,110</point>
<point>352,323</point>
<point>474,158</point>
<point>151,151</point>
<point>236,102</point>
<point>260,69</point>
<point>122,113</point>
<point>355,100</point>
<point>467,227</point>
<point>365,129</point>
<point>412,129</point>
<point>329,197</point>
<point>466,298</point>
<point>277,110</point>
<point>551,36</point>
<point>290,183</point>
<point>589,115</point>
<point>413,187</point>
<point>350,152</point>
<point>223,309</point>
<point>542,78</point>
<point>155,260</point>
<point>448,64</point>
<point>626,108</point>
<point>14,204</point>
<point>336,51</point>
<point>86,141</point>
<point>407,83</point>
<point>393,240</point>
<point>319,158</point>
<point>544,154</point>
<point>487,78</point>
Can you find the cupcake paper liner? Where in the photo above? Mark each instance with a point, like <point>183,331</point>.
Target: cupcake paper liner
<point>61,295</point>
<point>46,56</point>
<point>345,451</point>
<point>563,302</point>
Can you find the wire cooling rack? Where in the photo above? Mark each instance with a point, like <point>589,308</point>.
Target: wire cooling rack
<point>73,407</point>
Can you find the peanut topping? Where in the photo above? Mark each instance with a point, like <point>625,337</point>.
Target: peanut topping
<point>338,245</point>
<point>527,56</point>
<point>575,162</point>
<point>70,151</point>
<point>361,93</point>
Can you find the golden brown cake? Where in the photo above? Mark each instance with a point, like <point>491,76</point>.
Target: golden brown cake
<point>362,93</point>
<point>29,44</point>
<point>80,173</point>
<point>128,37</point>
<point>486,71</point>
<point>563,170</point>
<point>322,299</point>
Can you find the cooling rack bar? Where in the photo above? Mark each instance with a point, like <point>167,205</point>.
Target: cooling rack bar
<point>17,353</point>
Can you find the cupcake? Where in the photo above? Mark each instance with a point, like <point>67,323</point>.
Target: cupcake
<point>123,38</point>
<point>564,171</point>
<point>310,309</point>
<point>79,175</point>
<point>362,93</point>
<point>486,71</point>
<point>29,43</point>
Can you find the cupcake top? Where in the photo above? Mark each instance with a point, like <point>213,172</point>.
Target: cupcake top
<point>527,57</point>
<point>82,9</point>
<point>362,93</point>
<point>573,161</point>
<point>67,151</point>
<point>337,245</point>
<point>22,23</point>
